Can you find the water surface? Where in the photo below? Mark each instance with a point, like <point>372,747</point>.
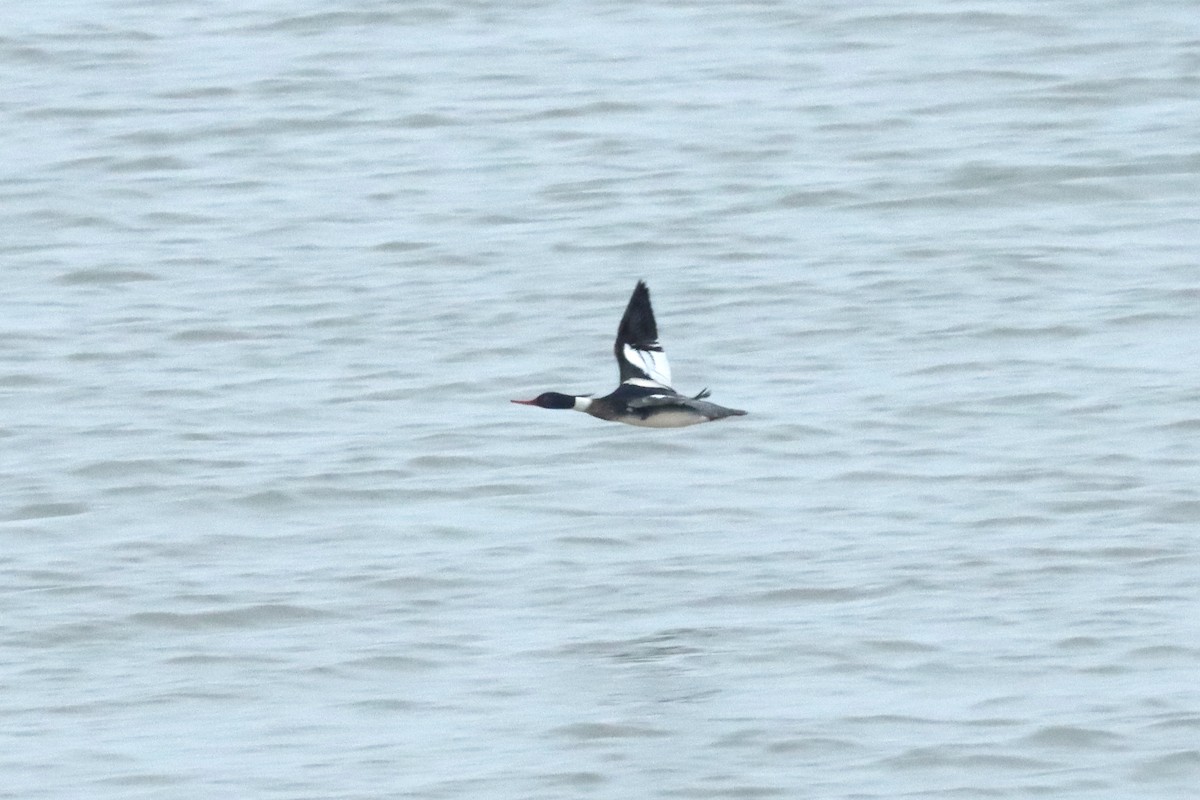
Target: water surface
<point>271,528</point>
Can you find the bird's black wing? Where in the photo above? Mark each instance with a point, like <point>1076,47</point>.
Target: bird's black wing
<point>639,355</point>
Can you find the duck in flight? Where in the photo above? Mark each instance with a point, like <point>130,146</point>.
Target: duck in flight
<point>645,396</point>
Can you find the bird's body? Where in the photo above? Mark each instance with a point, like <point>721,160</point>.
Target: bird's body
<point>645,397</point>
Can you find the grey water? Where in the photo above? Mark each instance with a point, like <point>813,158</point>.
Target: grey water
<point>270,528</point>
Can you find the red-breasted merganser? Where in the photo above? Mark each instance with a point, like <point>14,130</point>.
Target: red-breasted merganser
<point>645,396</point>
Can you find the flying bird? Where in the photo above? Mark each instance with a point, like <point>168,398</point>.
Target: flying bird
<point>645,396</point>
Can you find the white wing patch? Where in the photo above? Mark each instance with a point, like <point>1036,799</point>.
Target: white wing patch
<point>652,362</point>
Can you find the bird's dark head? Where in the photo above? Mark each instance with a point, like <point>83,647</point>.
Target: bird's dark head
<point>550,400</point>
